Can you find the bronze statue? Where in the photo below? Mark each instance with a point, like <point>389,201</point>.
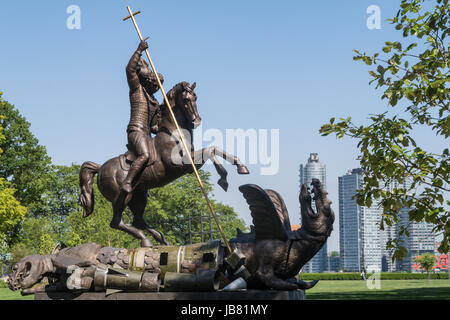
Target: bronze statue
<point>274,255</point>
<point>159,162</point>
<point>144,112</point>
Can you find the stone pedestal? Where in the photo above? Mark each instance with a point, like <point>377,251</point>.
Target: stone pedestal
<point>243,295</point>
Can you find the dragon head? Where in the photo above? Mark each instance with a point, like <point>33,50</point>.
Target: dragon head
<point>29,271</point>
<point>321,220</point>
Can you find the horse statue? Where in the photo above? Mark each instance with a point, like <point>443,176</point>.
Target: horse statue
<point>170,162</point>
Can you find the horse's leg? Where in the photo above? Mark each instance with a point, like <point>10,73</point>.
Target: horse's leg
<point>137,206</point>
<point>241,168</point>
<point>117,223</point>
<point>208,153</point>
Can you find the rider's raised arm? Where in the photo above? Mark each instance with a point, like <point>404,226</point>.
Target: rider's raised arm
<point>132,67</point>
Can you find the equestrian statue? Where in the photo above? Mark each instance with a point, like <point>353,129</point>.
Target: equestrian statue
<point>150,162</point>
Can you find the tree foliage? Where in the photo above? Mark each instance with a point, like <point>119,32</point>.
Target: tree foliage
<point>11,211</point>
<point>413,73</point>
<point>24,163</point>
<point>426,261</point>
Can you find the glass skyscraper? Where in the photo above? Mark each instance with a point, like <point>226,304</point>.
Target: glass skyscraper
<point>349,221</point>
<point>361,242</point>
<point>313,169</point>
<point>421,239</point>
<point>360,239</point>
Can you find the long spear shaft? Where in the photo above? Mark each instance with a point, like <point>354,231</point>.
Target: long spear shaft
<point>188,152</point>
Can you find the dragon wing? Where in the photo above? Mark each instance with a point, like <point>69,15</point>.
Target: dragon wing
<point>269,213</point>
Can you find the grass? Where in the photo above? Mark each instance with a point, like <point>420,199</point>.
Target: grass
<point>389,290</point>
<point>7,294</point>
<point>346,290</point>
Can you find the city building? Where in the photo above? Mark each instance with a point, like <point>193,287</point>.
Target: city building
<point>362,243</point>
<point>313,169</point>
<point>334,262</point>
<point>359,227</point>
<point>421,239</point>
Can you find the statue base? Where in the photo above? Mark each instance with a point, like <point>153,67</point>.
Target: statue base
<point>218,295</point>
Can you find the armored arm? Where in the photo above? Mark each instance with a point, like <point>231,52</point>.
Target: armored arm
<point>132,67</point>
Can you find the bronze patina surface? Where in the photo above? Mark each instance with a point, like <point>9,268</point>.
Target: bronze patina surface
<point>272,255</point>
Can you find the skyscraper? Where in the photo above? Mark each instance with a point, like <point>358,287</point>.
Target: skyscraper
<point>362,243</point>
<point>360,238</point>
<point>421,239</point>
<point>313,169</point>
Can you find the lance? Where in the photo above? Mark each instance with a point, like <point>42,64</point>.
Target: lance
<point>188,152</point>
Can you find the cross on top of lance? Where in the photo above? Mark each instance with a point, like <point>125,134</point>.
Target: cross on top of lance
<point>131,15</point>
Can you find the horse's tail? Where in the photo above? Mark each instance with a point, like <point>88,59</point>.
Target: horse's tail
<point>87,173</point>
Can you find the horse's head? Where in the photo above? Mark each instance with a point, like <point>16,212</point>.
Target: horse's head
<point>182,96</point>
<point>29,271</point>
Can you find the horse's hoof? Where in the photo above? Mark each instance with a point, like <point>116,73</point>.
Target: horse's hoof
<point>223,183</point>
<point>146,243</point>
<point>243,170</point>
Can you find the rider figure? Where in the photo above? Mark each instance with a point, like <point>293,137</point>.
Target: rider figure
<point>144,112</point>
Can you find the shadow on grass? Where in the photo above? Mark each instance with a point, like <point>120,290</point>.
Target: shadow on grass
<point>394,294</point>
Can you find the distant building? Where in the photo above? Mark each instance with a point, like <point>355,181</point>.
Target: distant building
<point>363,244</point>
<point>334,262</point>
<point>313,169</point>
<point>421,239</point>
<point>359,233</point>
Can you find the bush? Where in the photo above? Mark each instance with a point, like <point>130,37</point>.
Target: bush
<point>330,276</point>
<point>384,276</point>
<point>3,284</point>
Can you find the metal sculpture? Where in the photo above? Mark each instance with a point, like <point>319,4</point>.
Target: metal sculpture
<point>272,255</point>
<point>154,162</point>
<point>168,163</point>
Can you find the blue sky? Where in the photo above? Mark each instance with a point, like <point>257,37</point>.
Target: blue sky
<point>283,65</point>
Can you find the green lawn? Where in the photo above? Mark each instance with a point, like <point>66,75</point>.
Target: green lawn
<point>6,294</point>
<point>346,290</point>
<point>389,290</point>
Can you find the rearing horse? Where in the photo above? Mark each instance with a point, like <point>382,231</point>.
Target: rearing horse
<point>171,163</point>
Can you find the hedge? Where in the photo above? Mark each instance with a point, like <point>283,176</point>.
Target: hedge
<point>384,276</point>
<point>3,284</point>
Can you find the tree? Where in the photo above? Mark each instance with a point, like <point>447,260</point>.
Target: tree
<point>396,170</point>
<point>11,211</point>
<point>426,261</point>
<point>25,163</point>
<point>61,194</point>
<point>171,207</point>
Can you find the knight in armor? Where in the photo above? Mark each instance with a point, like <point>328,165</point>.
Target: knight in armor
<point>144,112</point>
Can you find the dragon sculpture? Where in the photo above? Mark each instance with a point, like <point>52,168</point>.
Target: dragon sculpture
<point>274,255</point>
